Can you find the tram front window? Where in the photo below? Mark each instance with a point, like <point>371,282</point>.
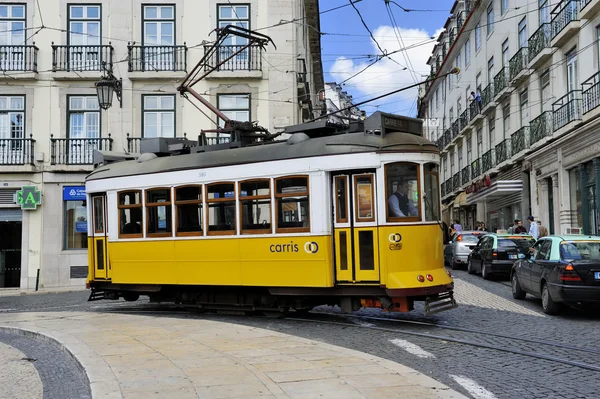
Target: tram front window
<point>402,191</point>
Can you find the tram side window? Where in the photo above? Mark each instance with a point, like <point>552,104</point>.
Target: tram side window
<point>188,203</point>
<point>432,193</point>
<point>255,199</point>
<point>402,192</point>
<point>292,204</point>
<point>220,201</point>
<point>130,214</point>
<point>158,212</point>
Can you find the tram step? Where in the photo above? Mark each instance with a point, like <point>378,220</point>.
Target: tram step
<point>96,295</point>
<point>439,303</point>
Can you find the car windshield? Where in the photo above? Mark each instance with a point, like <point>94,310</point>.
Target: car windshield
<point>520,244</point>
<point>470,238</point>
<point>580,250</point>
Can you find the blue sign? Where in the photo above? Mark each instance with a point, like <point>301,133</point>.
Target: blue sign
<point>74,193</point>
<point>81,227</point>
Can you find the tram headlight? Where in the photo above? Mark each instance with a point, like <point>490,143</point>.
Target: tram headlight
<point>429,277</point>
<point>420,278</point>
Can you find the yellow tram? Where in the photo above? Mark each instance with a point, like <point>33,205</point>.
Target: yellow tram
<point>347,217</point>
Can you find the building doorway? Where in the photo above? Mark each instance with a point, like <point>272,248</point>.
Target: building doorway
<point>10,254</point>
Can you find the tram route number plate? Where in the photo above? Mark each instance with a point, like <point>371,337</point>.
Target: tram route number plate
<point>597,275</point>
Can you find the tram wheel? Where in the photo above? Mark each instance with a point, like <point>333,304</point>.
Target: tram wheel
<point>276,313</point>
<point>131,296</point>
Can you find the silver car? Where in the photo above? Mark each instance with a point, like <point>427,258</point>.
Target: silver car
<point>457,251</point>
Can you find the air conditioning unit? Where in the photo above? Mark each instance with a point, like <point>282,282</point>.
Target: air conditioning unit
<point>573,230</point>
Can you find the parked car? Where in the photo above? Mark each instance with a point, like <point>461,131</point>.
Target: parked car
<point>458,249</point>
<point>560,269</point>
<point>496,253</point>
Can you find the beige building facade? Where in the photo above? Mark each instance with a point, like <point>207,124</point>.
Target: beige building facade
<point>52,53</point>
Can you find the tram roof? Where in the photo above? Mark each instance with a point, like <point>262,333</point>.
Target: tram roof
<point>298,146</point>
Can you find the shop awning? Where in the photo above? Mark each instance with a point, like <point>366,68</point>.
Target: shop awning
<point>460,200</point>
<point>497,189</point>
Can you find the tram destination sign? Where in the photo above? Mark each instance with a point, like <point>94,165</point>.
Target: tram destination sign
<point>29,197</point>
<point>384,122</point>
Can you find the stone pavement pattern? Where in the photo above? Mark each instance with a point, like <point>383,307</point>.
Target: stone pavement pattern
<point>136,356</point>
<point>19,378</point>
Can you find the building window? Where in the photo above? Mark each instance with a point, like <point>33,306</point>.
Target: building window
<point>506,118</point>
<point>158,212</point>
<point>83,130</point>
<point>158,116</point>
<point>437,97</point>
<point>237,106</point>
<point>492,131</point>
<point>545,94</point>
<point>490,18</point>
<point>524,107</point>
<point>505,55</point>
<point>458,65</point>
<point>459,150</point>
<point>12,33</point>
<point>451,115</point>
<point>158,26</point>
<point>188,208</point>
<point>451,162</point>
<point>544,12</point>
<point>220,201</point>
<point>490,69</point>
<point>523,33</point>
<point>445,162</point>
<point>598,47</point>
<point>478,83</point>
<point>255,201</point>
<point>478,36</point>
<point>467,52</point>
<point>291,196</point>
<point>503,6</point>
<point>402,192</point>
<point>130,214</point>
<point>469,150</point>
<point>12,126</point>
<point>75,227</point>
<point>237,15</point>
<point>479,142</point>
<point>572,70</point>
<point>85,37</point>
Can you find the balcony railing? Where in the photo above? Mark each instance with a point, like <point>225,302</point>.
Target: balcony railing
<point>447,137</point>
<point>518,62</point>
<point>443,189</point>
<point>465,174</point>
<point>584,3</point>
<point>473,110</point>
<point>18,58</point>
<point>463,120</point>
<point>500,81</point>
<point>455,128</point>
<point>452,35</point>
<point>591,93</point>
<point>235,59</point>
<point>519,140</point>
<point>503,151</point>
<point>566,12</point>
<point>456,181</point>
<point>475,168</point>
<point>539,40</point>
<point>487,161</point>
<point>77,151</point>
<point>81,58</point>
<point>487,95</point>
<point>16,151</point>
<point>540,127</point>
<point>567,109</point>
<point>157,58</point>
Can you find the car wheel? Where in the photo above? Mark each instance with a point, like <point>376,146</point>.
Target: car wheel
<point>517,291</point>
<point>470,269</point>
<point>549,306</point>
<point>484,271</point>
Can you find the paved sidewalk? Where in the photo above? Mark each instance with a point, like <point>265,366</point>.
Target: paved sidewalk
<point>136,356</point>
<point>18,378</point>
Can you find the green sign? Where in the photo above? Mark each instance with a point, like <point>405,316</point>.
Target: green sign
<point>29,197</point>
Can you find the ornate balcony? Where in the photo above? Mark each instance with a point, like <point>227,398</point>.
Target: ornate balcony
<point>589,9</point>
<point>474,110</point>
<point>487,161</point>
<point>77,151</point>
<point>565,21</point>
<point>501,83</point>
<point>540,127</point>
<point>475,168</point>
<point>519,140</point>
<point>456,181</point>
<point>234,58</point>
<point>447,137</point>
<point>503,151</point>
<point>465,174</point>
<point>454,128</point>
<point>18,58</point>
<point>17,151</point>
<point>591,92</point>
<point>81,58</point>
<point>443,189</point>
<point>463,120</point>
<point>567,109</point>
<point>487,97</point>
<point>452,35</point>
<point>518,66</point>
<point>156,58</point>
<point>539,46</point>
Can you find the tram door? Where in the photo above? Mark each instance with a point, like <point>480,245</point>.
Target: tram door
<point>101,269</point>
<point>355,228</point>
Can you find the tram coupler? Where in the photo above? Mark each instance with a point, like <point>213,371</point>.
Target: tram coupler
<point>439,303</point>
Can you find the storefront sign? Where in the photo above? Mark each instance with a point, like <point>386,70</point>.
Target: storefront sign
<point>74,193</point>
<point>479,185</point>
<point>80,219</point>
<point>29,197</point>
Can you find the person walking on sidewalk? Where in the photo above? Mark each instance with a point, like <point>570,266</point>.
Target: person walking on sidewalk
<point>543,229</point>
<point>520,229</point>
<point>534,230</point>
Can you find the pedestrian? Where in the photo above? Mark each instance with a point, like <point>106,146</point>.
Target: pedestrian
<point>534,230</point>
<point>520,229</point>
<point>457,226</point>
<point>543,229</point>
<point>477,98</point>
<point>511,229</point>
<point>483,228</point>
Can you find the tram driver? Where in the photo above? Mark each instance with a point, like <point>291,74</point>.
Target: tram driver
<point>399,203</point>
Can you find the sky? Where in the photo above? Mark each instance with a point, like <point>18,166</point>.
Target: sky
<point>347,48</point>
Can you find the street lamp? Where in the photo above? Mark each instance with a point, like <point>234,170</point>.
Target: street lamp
<point>105,88</point>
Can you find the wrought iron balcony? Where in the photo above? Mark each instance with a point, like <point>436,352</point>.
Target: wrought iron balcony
<point>81,58</point>
<point>439,143</point>
<point>17,151</point>
<point>519,140</point>
<point>234,58</point>
<point>454,128</point>
<point>443,189</point>
<point>503,151</point>
<point>475,168</point>
<point>539,40</point>
<point>444,49</point>
<point>540,127</point>
<point>500,81</point>
<point>487,95</point>
<point>463,120</point>
<point>465,174</point>
<point>518,62</point>
<point>591,93</point>
<point>157,58</point>
<point>589,9</point>
<point>18,58</point>
<point>460,19</point>
<point>567,109</point>
<point>77,151</point>
<point>487,161</point>
<point>447,137</point>
<point>452,35</point>
<point>565,13</point>
<point>456,181</point>
<point>474,110</point>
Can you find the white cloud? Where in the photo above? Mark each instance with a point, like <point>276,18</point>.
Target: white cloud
<point>388,74</point>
